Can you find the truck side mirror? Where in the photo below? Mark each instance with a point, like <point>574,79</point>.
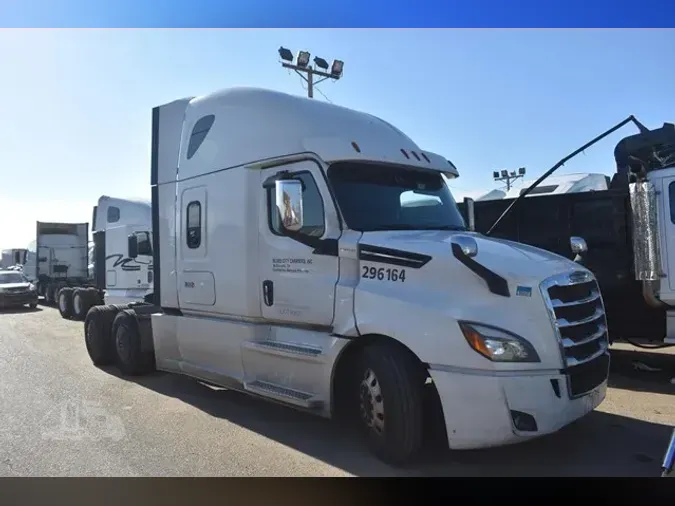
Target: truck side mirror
<point>578,246</point>
<point>289,203</point>
<point>132,246</point>
<point>144,247</point>
<point>470,213</point>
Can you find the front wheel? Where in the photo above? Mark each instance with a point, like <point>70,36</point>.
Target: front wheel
<point>389,395</point>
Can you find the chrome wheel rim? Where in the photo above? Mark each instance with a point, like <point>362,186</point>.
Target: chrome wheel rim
<point>77,303</point>
<point>62,302</point>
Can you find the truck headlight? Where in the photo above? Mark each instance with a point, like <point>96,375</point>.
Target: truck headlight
<point>31,287</point>
<point>497,344</point>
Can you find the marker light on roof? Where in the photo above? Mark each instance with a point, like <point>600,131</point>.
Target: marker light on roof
<point>416,156</point>
<point>426,158</point>
<point>404,153</point>
<point>356,147</point>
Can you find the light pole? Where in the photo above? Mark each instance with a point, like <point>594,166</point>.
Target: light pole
<point>507,176</point>
<point>308,72</point>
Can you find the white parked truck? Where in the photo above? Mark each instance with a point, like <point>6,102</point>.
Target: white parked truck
<point>76,275</point>
<point>59,259</point>
<point>13,257</point>
<point>287,266</point>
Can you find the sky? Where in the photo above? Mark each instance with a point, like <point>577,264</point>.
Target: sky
<point>77,103</point>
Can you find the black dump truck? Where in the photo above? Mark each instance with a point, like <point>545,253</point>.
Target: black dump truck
<point>625,235</point>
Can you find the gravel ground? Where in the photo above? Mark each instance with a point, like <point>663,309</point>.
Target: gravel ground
<point>166,425</point>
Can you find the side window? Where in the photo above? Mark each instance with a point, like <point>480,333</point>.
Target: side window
<point>313,212</point>
<point>199,132</point>
<point>194,225</point>
<point>113,214</point>
<point>671,201</point>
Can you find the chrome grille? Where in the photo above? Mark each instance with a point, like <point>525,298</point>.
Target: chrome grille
<point>16,289</point>
<point>578,316</point>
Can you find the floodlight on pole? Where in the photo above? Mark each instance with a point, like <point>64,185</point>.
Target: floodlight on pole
<point>321,63</point>
<point>509,177</point>
<point>336,68</point>
<point>285,54</point>
<point>303,58</point>
<point>308,72</point>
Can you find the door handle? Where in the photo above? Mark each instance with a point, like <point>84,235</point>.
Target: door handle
<point>268,292</point>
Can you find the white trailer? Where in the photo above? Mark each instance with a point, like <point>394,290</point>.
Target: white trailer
<point>552,185</point>
<point>287,266</point>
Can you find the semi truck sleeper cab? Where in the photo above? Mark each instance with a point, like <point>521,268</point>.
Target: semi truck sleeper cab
<point>313,255</point>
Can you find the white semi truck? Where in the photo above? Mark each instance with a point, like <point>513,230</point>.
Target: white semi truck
<point>290,265</point>
<point>75,275</point>
<point>13,257</point>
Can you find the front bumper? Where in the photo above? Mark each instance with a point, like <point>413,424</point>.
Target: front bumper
<point>18,299</point>
<point>478,406</point>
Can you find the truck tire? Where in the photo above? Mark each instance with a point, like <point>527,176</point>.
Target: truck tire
<point>98,334</point>
<point>129,356</point>
<point>64,301</point>
<point>389,392</point>
<point>81,303</point>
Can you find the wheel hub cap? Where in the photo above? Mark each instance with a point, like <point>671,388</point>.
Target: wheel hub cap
<point>372,403</point>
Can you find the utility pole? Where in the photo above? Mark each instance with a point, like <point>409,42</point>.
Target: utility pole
<point>509,177</point>
<point>308,72</point>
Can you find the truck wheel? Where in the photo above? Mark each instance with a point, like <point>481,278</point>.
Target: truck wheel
<point>65,302</point>
<point>389,393</point>
<point>81,304</point>
<point>130,357</point>
<point>98,334</point>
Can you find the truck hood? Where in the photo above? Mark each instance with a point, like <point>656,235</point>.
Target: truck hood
<point>514,261</point>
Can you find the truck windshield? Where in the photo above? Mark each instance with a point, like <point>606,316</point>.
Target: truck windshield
<point>381,197</point>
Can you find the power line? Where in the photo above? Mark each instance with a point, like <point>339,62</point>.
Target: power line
<point>324,96</point>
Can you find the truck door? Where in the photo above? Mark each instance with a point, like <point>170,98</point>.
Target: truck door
<point>299,275</point>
